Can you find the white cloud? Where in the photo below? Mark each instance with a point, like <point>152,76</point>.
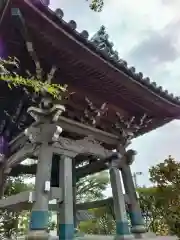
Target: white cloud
<point>130,24</point>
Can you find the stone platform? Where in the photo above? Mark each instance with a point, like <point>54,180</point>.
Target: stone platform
<point>104,237</point>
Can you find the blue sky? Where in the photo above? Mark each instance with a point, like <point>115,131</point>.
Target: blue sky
<point>146,35</point>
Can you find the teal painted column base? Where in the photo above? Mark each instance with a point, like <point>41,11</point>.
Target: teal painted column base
<point>38,225</point>
<point>66,232</point>
<point>39,220</point>
<point>138,229</point>
<point>122,231</point>
<point>137,222</point>
<point>122,228</point>
<point>136,218</point>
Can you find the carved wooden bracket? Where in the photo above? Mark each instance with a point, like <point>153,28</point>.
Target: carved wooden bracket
<point>92,114</point>
<point>86,145</point>
<point>127,128</point>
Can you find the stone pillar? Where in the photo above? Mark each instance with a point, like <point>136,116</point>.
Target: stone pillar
<point>122,227</point>
<point>3,181</point>
<point>66,226</point>
<point>39,214</point>
<point>58,217</point>
<point>74,194</point>
<point>4,150</point>
<point>44,133</point>
<point>136,218</point>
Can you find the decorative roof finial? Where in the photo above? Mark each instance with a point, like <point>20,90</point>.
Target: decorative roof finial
<point>101,41</point>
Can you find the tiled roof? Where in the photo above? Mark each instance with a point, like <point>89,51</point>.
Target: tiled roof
<point>100,44</point>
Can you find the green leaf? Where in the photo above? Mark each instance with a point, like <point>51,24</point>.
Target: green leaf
<point>36,84</point>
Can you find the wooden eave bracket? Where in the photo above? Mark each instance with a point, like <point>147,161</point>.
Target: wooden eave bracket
<point>18,20</point>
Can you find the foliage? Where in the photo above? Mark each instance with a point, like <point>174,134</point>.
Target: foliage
<point>166,173</point>
<point>166,176</point>
<point>97,5</point>
<point>103,222</point>
<point>8,73</point>
<point>91,187</point>
<point>52,224</point>
<point>12,223</point>
<point>151,207</point>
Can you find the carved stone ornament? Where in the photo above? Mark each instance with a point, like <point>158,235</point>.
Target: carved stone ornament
<point>51,115</point>
<point>86,145</point>
<point>101,41</point>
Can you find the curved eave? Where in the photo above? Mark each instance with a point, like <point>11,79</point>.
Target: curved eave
<point>57,29</point>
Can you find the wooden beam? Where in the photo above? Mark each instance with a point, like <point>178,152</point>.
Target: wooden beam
<point>15,201</point>
<point>25,152</point>
<point>94,204</point>
<point>20,140</point>
<point>81,172</point>
<point>100,203</point>
<point>23,169</point>
<point>67,125</point>
<point>92,168</point>
<point>73,127</point>
<point>82,129</point>
<point>21,201</point>
<point>96,166</point>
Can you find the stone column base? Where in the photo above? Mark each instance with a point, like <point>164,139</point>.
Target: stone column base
<point>37,235</point>
<point>139,235</point>
<point>138,230</point>
<point>124,237</point>
<point>147,235</point>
